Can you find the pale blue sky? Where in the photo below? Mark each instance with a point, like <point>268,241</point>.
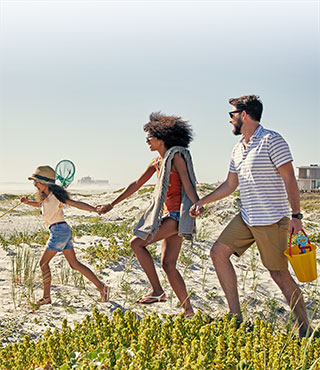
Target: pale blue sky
<point>80,78</point>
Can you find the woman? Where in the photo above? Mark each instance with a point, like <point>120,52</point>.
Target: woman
<point>167,218</point>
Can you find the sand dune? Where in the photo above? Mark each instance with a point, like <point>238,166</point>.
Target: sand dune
<point>74,297</point>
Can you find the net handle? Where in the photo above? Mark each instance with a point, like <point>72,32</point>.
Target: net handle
<point>11,209</point>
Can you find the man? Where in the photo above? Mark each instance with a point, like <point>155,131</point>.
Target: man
<point>261,165</point>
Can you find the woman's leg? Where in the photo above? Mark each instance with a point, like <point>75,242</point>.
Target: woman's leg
<point>168,228</point>
<point>170,252</point>
<point>45,271</point>
<point>85,271</point>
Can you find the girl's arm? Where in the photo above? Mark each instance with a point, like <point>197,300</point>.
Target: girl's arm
<point>180,166</point>
<point>80,205</point>
<point>130,189</point>
<point>25,200</point>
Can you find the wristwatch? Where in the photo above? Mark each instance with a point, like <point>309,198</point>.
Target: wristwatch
<point>299,216</point>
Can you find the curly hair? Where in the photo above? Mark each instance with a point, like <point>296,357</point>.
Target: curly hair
<point>59,192</point>
<point>249,103</point>
<point>172,130</point>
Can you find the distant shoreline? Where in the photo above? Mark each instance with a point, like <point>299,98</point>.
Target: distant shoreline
<point>27,188</point>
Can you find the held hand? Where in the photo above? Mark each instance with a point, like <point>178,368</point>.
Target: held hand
<point>102,209</point>
<point>24,200</point>
<point>196,210</point>
<point>98,210</point>
<point>295,226</point>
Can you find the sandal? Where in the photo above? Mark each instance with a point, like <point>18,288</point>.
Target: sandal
<point>105,294</point>
<point>152,299</point>
<point>44,300</point>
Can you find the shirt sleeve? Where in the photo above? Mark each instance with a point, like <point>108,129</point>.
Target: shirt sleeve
<point>279,151</point>
<point>232,167</point>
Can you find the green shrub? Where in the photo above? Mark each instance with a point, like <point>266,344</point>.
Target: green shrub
<point>152,343</point>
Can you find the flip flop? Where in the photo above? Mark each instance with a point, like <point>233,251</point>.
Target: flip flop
<point>105,294</point>
<point>152,299</point>
<point>44,300</point>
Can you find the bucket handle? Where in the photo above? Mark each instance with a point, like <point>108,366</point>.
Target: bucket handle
<point>290,240</point>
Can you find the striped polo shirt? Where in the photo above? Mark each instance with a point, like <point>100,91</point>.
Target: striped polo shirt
<point>262,191</point>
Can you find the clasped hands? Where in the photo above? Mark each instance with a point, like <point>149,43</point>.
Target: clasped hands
<point>196,209</point>
<point>103,208</point>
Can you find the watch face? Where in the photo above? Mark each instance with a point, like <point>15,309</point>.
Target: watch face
<point>298,216</point>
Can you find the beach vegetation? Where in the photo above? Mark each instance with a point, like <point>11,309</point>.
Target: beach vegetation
<point>146,189</point>
<point>125,342</point>
<point>24,237</point>
<point>119,190</point>
<point>205,188</point>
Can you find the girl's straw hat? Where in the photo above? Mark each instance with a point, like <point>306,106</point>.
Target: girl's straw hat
<point>44,175</point>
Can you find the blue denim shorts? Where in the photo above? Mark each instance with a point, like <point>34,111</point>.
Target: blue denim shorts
<point>175,215</point>
<point>60,237</point>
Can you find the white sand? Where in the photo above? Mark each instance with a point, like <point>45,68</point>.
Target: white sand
<point>259,295</point>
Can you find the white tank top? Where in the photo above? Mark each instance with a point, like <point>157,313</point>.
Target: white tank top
<point>51,209</point>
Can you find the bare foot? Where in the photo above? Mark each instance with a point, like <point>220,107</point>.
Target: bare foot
<point>105,294</point>
<point>189,314</point>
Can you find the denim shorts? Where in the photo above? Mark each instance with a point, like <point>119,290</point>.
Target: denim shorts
<point>175,215</point>
<point>60,237</point>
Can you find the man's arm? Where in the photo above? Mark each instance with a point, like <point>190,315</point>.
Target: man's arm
<point>287,173</point>
<point>222,191</point>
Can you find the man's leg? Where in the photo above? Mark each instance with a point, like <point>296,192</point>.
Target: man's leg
<point>220,254</point>
<point>294,298</point>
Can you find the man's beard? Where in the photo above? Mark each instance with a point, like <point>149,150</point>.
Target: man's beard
<point>237,128</point>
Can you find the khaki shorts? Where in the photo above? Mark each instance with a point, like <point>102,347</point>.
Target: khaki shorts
<point>272,240</point>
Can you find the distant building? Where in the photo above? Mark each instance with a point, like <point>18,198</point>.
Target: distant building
<point>86,180</point>
<point>90,181</point>
<point>309,178</point>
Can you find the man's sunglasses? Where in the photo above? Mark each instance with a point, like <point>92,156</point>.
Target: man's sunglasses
<point>234,111</point>
<point>149,138</point>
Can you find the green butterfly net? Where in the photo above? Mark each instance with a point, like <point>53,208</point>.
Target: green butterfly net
<point>65,171</point>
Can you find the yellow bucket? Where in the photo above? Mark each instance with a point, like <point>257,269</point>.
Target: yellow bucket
<point>303,264</point>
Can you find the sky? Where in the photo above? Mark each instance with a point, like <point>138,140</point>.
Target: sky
<point>79,80</point>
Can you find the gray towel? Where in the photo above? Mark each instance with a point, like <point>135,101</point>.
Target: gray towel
<point>150,222</point>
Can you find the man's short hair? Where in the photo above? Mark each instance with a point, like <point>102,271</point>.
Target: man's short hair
<point>249,103</point>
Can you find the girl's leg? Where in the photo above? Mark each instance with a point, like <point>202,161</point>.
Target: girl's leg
<point>45,270</point>
<point>168,228</point>
<point>170,252</point>
<point>85,271</point>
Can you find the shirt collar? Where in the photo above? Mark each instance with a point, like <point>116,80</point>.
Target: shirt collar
<point>258,131</point>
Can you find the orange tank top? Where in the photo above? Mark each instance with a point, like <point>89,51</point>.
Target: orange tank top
<point>173,198</point>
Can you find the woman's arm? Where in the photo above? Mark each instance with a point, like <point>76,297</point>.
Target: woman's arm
<point>25,200</point>
<point>180,166</point>
<point>130,189</point>
<point>81,205</point>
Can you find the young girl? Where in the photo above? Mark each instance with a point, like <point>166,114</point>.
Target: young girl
<point>167,218</point>
<point>51,199</point>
